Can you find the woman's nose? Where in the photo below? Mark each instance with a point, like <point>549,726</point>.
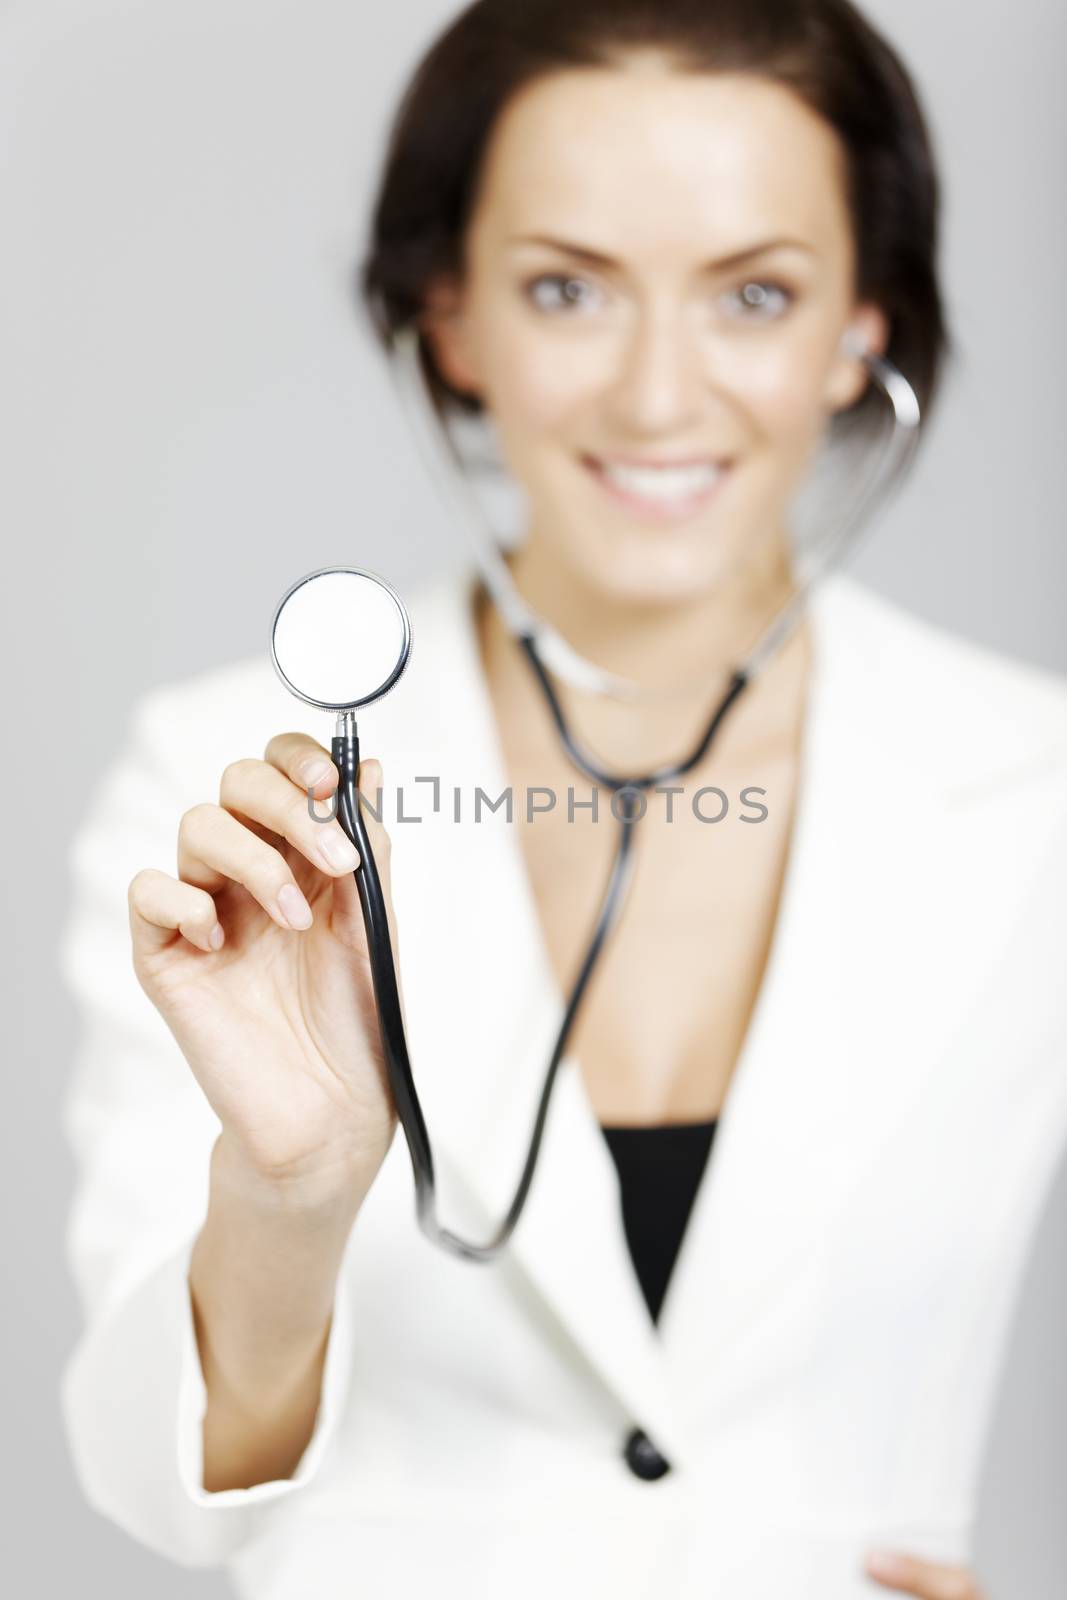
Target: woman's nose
<point>660,384</point>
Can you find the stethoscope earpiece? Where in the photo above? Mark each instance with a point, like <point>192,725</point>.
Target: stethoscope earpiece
<point>853,343</point>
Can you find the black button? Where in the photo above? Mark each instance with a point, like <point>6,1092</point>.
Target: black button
<point>642,1457</point>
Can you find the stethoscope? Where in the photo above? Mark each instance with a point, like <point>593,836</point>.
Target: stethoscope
<point>341,638</point>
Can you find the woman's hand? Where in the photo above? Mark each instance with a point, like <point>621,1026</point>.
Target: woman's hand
<point>256,957</point>
<point>927,1580</point>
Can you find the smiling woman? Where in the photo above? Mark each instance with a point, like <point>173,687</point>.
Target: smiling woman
<point>660,247</point>
<point>642,276</point>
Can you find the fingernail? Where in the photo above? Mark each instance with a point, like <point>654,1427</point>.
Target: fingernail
<point>314,771</point>
<point>886,1564</point>
<point>293,907</point>
<point>338,850</point>
<point>216,936</point>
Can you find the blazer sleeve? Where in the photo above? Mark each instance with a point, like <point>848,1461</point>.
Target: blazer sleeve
<point>141,1131</point>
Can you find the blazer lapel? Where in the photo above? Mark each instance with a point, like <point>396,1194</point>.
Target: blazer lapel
<point>829,1060</point>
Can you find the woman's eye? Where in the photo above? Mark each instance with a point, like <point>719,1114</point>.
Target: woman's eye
<point>559,291</point>
<point>761,299</point>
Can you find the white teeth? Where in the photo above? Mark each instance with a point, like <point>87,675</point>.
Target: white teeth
<point>661,483</point>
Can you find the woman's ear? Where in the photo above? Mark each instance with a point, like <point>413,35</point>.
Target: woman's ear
<point>443,323</point>
<point>868,329</point>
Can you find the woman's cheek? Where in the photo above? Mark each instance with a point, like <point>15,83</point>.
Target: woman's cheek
<point>776,388</point>
<point>542,376</point>
<point>534,404</point>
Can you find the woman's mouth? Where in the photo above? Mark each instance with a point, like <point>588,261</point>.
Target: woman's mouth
<point>660,491</point>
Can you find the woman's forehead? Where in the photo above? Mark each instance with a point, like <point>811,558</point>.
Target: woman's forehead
<point>602,154</point>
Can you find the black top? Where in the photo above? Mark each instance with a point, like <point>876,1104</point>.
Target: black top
<point>660,1169</point>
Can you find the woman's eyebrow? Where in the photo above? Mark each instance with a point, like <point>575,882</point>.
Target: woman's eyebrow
<point>597,259</point>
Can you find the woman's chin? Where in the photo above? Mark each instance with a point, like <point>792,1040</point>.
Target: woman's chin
<point>671,575</point>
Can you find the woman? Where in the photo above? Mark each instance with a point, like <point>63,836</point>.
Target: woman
<point>639,240</point>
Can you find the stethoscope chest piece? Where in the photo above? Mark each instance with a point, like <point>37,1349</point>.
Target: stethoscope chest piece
<point>340,638</point>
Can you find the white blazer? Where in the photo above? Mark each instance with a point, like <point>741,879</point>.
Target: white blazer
<point>823,1371</point>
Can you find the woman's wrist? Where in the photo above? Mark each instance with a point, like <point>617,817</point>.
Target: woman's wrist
<point>262,1280</point>
<point>317,1195</point>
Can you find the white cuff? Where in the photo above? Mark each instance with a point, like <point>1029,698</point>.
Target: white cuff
<point>133,1401</point>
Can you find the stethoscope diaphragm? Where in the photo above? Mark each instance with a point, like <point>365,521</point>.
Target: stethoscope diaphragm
<point>340,638</point>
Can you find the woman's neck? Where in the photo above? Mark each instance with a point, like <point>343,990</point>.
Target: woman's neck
<point>659,644</point>
<point>694,646</point>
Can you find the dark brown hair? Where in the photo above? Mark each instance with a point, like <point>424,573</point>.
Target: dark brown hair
<point>824,50</point>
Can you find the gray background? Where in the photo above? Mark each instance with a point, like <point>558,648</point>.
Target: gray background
<point>192,416</point>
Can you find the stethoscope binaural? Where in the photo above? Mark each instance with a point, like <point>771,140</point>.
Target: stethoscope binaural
<point>341,638</point>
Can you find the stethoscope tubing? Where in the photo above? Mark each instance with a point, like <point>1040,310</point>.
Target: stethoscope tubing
<point>345,752</point>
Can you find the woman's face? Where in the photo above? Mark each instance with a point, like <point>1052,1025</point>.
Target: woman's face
<point>658,272</point>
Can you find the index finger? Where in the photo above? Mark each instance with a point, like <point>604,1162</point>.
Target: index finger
<point>304,760</point>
